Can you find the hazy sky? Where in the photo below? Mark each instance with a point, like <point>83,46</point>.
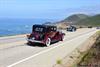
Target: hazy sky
<point>50,9</point>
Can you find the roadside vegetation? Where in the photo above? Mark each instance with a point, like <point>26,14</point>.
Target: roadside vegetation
<point>86,55</point>
<point>91,58</point>
<point>93,21</point>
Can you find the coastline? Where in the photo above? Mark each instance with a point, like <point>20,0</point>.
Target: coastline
<point>12,36</point>
<point>13,40</point>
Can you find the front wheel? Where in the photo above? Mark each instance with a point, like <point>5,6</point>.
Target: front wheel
<point>48,42</point>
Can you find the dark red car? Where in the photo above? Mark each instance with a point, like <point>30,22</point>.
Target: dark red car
<point>44,34</point>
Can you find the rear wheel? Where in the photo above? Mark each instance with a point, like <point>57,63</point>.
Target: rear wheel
<point>48,42</point>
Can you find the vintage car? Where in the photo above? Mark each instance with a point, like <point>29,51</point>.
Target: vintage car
<point>44,34</point>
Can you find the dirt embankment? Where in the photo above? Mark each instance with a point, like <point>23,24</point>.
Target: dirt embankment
<point>86,54</point>
<point>92,56</point>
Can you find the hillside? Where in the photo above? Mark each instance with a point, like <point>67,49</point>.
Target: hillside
<point>93,21</point>
<point>75,18</point>
<point>78,19</point>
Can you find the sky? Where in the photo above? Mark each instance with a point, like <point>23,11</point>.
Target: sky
<point>47,9</point>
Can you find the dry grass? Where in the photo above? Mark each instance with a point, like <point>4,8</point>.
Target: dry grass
<point>92,56</point>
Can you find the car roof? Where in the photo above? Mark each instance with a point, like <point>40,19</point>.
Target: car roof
<point>46,26</point>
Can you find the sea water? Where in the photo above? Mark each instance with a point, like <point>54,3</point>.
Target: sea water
<point>17,26</point>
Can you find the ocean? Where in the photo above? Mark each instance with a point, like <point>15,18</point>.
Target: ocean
<point>18,26</point>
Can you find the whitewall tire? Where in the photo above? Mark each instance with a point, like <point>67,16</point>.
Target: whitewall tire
<point>48,42</point>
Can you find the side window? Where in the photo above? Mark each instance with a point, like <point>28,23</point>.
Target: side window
<point>52,29</point>
<point>55,29</point>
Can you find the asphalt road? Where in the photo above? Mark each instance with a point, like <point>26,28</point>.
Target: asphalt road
<point>14,52</point>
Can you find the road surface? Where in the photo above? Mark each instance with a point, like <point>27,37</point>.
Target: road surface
<point>14,52</point>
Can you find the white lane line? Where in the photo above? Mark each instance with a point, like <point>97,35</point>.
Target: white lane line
<point>40,53</point>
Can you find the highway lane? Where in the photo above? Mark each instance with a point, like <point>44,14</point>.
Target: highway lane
<point>18,40</point>
<point>14,53</point>
<point>9,39</point>
<point>49,57</point>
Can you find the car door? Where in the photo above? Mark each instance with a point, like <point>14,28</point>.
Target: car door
<point>57,36</point>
